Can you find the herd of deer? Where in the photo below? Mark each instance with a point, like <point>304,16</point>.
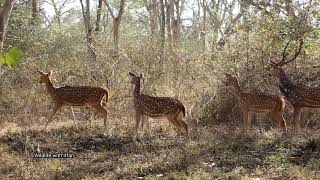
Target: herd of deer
<point>300,96</point>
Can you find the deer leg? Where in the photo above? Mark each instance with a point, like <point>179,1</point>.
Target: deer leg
<point>175,122</point>
<point>142,126</point>
<point>183,125</point>
<point>296,118</point>
<point>91,113</point>
<point>55,109</point>
<point>74,118</point>
<point>278,117</point>
<point>283,123</point>
<point>100,109</point>
<point>88,113</point>
<point>144,120</point>
<point>249,119</point>
<point>245,115</point>
<point>177,126</point>
<point>138,119</point>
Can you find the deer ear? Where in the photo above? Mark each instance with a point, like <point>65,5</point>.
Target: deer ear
<point>50,72</point>
<point>131,74</point>
<point>141,75</point>
<point>228,75</point>
<point>40,72</point>
<point>237,75</point>
<point>273,65</point>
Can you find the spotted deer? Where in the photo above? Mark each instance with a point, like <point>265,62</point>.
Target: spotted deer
<point>299,95</point>
<point>257,102</point>
<point>74,96</point>
<point>157,107</point>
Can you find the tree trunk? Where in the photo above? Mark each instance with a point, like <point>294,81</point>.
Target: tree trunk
<point>57,12</point>
<point>172,22</point>
<point>204,28</point>
<point>34,9</point>
<point>152,9</point>
<point>116,21</point>
<point>163,30</point>
<point>88,28</point>
<point>98,16</point>
<point>289,8</point>
<point>88,21</point>
<point>244,6</point>
<point>154,19</point>
<point>116,26</point>
<point>169,9</point>
<point>177,23</point>
<point>105,19</point>
<point>4,17</point>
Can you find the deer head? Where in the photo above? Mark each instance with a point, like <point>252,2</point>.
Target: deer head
<point>44,77</point>
<point>134,78</point>
<point>232,79</point>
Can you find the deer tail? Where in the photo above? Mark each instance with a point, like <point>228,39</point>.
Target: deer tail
<point>106,94</point>
<point>281,104</point>
<point>183,109</point>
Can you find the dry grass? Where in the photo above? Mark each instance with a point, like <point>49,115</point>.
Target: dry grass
<point>215,152</point>
<point>218,150</point>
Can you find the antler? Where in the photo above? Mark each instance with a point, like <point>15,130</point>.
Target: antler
<point>284,55</point>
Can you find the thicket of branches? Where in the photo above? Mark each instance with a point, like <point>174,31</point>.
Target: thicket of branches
<point>183,47</point>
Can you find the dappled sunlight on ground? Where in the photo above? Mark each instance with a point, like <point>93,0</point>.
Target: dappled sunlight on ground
<point>216,151</point>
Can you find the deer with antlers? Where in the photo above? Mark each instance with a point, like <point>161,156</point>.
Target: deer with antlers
<point>74,96</point>
<point>157,107</point>
<point>257,102</point>
<point>299,95</point>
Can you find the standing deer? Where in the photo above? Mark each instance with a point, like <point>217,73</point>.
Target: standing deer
<point>299,95</point>
<point>157,107</point>
<point>257,102</point>
<point>74,96</point>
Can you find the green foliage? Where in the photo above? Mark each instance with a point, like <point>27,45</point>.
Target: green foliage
<point>11,58</point>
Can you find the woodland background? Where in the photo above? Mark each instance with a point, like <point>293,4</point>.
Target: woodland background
<point>184,48</point>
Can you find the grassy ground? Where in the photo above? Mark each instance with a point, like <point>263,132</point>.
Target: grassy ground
<point>215,152</point>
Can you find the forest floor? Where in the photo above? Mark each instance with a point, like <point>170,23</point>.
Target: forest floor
<point>214,152</point>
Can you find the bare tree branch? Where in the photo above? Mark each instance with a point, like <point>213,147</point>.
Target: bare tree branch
<point>109,9</point>
<point>4,17</point>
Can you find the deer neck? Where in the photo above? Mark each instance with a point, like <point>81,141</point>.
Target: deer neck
<point>237,89</point>
<point>50,88</point>
<point>136,91</point>
<point>286,86</point>
<point>285,82</point>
